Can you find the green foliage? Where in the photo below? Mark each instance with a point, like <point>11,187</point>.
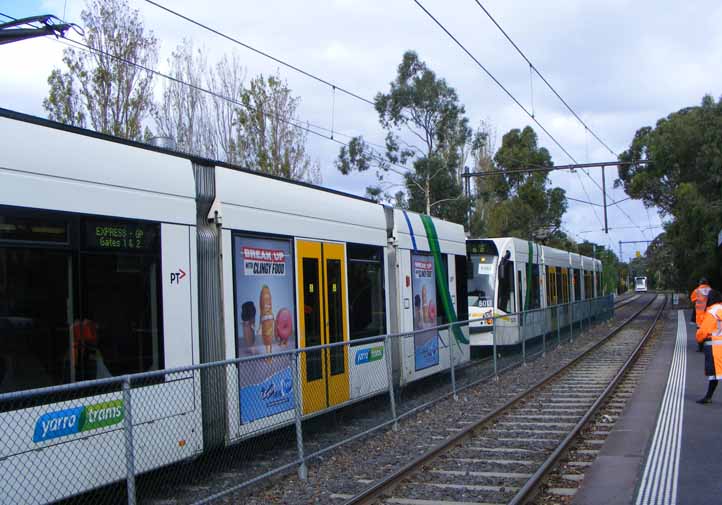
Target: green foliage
<point>613,272</point>
<point>425,128</point>
<point>685,182</point>
<point>112,96</point>
<point>521,204</point>
<point>266,139</point>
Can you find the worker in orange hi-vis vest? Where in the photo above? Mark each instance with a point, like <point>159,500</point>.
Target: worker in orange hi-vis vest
<point>699,298</point>
<point>710,333</point>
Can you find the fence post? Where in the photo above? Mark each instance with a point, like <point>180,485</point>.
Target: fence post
<point>129,451</point>
<point>589,315</point>
<point>451,362</point>
<point>390,379</point>
<point>493,345</point>
<point>544,333</point>
<point>523,346</point>
<point>302,469</point>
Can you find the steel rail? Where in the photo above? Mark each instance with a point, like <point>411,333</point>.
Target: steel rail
<point>532,485</point>
<point>372,493</point>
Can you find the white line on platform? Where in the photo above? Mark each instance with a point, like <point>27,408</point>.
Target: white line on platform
<point>661,470</point>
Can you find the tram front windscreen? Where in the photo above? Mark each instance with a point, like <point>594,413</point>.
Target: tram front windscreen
<point>481,280</point>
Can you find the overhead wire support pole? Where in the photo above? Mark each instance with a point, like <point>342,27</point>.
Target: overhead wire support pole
<point>604,201</point>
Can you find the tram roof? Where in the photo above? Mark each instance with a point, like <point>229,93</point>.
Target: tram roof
<point>27,118</point>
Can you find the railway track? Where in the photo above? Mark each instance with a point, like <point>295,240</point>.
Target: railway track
<point>504,456</point>
<point>626,301</point>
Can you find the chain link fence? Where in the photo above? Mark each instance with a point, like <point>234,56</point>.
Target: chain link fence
<point>144,438</point>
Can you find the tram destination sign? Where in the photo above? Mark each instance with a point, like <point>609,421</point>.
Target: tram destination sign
<point>120,236</point>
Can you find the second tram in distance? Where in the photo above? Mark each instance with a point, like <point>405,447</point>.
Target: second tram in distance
<point>508,275</point>
<point>640,284</point>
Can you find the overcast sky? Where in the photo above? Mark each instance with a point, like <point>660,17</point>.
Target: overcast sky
<point>620,64</point>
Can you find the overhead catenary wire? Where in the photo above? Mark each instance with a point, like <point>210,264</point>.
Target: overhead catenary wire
<point>84,47</point>
<point>508,93</point>
<point>333,85</point>
<point>519,104</point>
<point>541,76</point>
<point>262,53</point>
<point>375,156</point>
<point>309,127</point>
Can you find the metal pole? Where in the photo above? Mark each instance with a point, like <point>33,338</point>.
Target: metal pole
<point>390,379</point>
<point>128,431</point>
<point>544,335</point>
<point>523,348</point>
<point>559,333</point>
<point>302,469</point>
<point>451,364</point>
<point>571,322</point>
<point>604,200</point>
<point>589,319</point>
<point>468,197</point>
<point>493,346</point>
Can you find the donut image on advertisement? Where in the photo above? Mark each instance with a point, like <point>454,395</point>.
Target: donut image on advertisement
<point>432,313</point>
<point>284,326</point>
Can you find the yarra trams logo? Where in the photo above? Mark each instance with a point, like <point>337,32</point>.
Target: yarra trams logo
<point>75,420</point>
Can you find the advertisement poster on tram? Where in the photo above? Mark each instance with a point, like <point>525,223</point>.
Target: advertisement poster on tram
<point>423,288</point>
<point>265,311</point>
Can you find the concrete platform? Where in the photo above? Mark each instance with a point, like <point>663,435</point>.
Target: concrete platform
<point>664,447</point>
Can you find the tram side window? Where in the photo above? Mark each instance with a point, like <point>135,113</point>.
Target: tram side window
<point>36,301</point>
<point>535,300</point>
<point>560,286</point>
<point>588,287</point>
<point>84,309</point>
<point>367,302</point>
<point>565,285</point>
<point>462,300</point>
<point>550,275</point>
<point>577,285</point>
<point>506,286</point>
<point>598,277</point>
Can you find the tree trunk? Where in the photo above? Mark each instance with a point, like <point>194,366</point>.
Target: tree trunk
<point>427,194</point>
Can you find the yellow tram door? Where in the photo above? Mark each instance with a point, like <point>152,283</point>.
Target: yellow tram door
<point>322,320</point>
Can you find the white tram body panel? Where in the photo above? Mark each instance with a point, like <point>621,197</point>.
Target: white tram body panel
<point>261,208</point>
<point>421,359</point>
<point>51,173</point>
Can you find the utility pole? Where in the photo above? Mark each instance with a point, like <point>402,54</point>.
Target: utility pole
<point>604,200</point>
<point>468,199</point>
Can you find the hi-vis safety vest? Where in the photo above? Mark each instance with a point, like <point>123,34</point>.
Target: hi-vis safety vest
<point>711,332</point>
<point>716,312</point>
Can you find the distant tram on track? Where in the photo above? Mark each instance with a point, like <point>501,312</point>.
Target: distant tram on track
<point>118,258</point>
<point>506,276</point>
<point>640,284</point>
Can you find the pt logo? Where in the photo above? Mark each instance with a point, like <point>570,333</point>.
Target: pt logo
<point>175,277</point>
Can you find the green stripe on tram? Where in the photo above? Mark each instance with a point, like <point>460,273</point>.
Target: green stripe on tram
<point>442,286</point>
